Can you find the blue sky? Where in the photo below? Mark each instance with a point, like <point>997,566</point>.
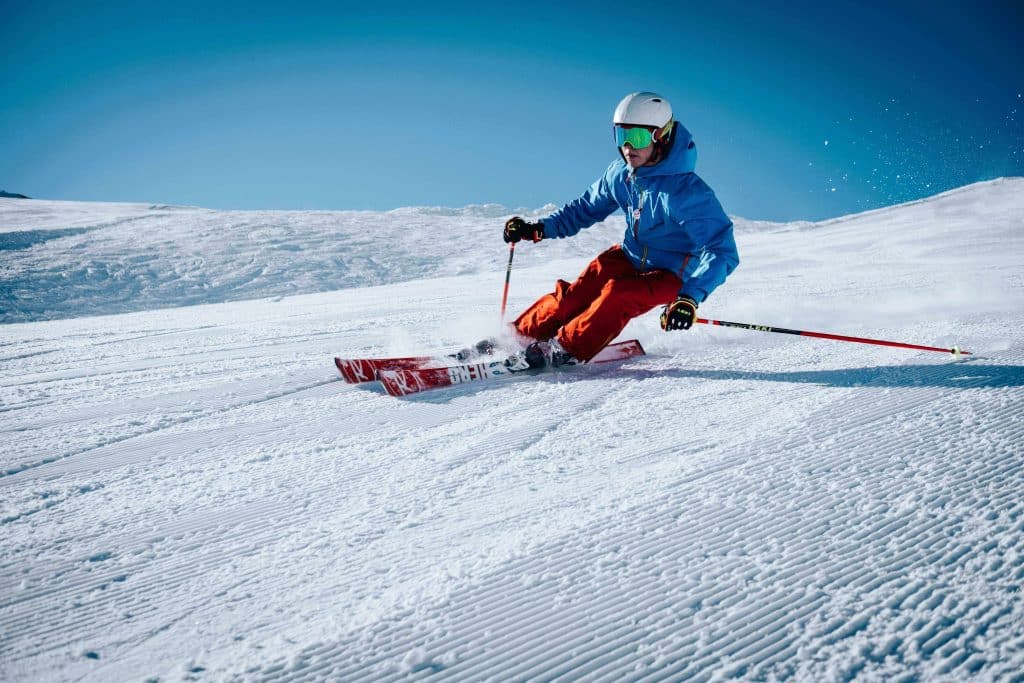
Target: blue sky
<point>800,111</point>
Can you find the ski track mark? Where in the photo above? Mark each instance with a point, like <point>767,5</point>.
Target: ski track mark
<point>200,531</point>
<point>13,471</point>
<point>743,636</point>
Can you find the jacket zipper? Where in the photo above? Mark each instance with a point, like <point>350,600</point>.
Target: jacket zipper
<point>636,225</point>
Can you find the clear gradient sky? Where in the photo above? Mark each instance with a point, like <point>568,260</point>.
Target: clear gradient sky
<point>802,110</point>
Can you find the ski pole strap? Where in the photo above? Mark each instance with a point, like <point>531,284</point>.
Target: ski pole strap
<point>836,337</point>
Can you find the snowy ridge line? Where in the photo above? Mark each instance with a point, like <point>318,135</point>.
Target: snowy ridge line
<point>720,528</point>
<point>80,228</point>
<point>900,208</point>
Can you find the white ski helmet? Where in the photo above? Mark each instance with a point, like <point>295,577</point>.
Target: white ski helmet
<point>643,109</point>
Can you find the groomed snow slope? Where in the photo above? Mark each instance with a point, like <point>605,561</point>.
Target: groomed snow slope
<point>192,493</point>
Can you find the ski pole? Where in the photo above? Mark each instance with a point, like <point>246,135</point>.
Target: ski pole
<point>508,276</point>
<point>837,337</point>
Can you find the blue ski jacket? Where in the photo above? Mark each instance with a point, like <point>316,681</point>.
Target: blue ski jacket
<point>673,219</point>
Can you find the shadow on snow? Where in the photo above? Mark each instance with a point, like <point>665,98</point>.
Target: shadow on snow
<point>963,375</point>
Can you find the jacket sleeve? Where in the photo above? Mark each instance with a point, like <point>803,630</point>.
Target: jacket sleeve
<point>713,264</point>
<point>594,206</point>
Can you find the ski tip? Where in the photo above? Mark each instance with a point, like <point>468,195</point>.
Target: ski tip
<point>619,351</point>
<point>352,372</point>
<point>340,364</point>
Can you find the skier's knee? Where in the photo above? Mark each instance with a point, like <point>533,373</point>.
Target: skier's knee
<point>618,288</point>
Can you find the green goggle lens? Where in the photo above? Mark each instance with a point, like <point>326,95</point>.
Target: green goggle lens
<point>638,138</point>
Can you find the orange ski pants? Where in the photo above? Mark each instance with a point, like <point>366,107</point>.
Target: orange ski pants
<point>588,314</point>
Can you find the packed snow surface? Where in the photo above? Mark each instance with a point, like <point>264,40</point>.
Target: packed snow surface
<point>188,491</point>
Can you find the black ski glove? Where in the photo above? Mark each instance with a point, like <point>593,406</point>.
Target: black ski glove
<point>679,315</point>
<point>517,229</point>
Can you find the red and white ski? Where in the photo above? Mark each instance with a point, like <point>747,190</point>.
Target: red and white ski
<point>356,370</point>
<point>405,381</point>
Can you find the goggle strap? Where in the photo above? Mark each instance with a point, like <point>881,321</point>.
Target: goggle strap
<point>665,130</point>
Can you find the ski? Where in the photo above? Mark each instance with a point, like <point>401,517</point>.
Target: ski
<point>405,381</point>
<point>358,370</point>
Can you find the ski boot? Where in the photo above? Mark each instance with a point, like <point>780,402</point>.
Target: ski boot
<point>540,354</point>
<point>484,347</point>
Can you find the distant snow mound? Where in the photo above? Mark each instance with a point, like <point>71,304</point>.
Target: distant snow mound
<point>473,210</point>
<point>71,259</point>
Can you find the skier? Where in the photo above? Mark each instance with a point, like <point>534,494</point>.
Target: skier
<point>677,249</point>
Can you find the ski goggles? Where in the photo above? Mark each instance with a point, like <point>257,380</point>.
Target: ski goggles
<point>638,138</point>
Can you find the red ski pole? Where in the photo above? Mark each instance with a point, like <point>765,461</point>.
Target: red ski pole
<point>837,337</point>
<point>508,276</point>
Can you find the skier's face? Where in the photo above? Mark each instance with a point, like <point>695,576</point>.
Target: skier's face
<point>637,157</point>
